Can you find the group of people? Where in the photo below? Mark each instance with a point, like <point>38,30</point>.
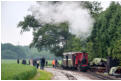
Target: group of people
<point>35,62</point>
<point>23,61</point>
<point>39,62</point>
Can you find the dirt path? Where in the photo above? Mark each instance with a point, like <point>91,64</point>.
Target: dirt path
<point>58,75</point>
<point>69,75</point>
<point>36,76</point>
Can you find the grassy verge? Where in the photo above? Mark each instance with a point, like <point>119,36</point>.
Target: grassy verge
<point>42,75</point>
<point>13,71</point>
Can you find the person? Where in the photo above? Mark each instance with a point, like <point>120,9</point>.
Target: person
<point>17,61</point>
<point>46,63</point>
<point>23,61</point>
<point>53,63</point>
<point>42,63</point>
<point>31,62</point>
<point>37,64</point>
<point>56,63</point>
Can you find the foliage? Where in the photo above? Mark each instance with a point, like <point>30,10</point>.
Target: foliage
<point>29,22</point>
<point>51,36</point>
<point>48,36</point>
<point>94,7</point>
<point>13,71</point>
<point>73,44</point>
<point>55,37</point>
<point>10,51</point>
<point>104,40</point>
<point>8,54</point>
<point>106,35</point>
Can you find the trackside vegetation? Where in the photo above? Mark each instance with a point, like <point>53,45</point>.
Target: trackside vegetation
<point>105,39</point>
<point>12,71</point>
<point>43,75</point>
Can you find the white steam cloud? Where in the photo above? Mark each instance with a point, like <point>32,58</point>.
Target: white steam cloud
<point>79,19</point>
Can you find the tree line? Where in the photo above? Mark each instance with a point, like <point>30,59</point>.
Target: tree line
<point>10,51</point>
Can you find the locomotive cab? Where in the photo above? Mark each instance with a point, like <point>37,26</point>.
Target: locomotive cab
<point>82,61</point>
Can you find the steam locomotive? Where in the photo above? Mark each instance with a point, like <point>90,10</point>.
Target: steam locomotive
<point>75,60</point>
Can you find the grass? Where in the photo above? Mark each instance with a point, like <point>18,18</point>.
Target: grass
<point>43,75</point>
<point>10,70</point>
<point>15,61</point>
<point>11,61</point>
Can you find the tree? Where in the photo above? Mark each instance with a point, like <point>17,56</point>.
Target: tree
<point>105,37</point>
<point>8,54</point>
<point>29,22</point>
<point>10,51</point>
<point>52,36</point>
<point>94,7</point>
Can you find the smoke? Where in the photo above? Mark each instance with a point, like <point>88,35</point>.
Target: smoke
<point>79,19</point>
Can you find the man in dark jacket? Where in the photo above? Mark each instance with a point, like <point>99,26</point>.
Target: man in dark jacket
<point>56,63</point>
<point>42,63</point>
<point>23,61</point>
<point>46,63</point>
<point>17,61</point>
<point>35,63</point>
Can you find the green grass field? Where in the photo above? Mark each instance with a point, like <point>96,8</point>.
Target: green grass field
<point>10,70</point>
<point>11,61</point>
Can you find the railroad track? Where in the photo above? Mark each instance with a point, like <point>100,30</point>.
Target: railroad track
<point>69,76</point>
<point>98,76</point>
<point>102,77</point>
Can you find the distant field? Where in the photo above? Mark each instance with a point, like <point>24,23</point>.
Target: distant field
<point>12,61</point>
<point>10,70</point>
<point>15,61</point>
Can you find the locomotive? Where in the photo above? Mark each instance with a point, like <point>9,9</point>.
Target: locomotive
<point>75,60</point>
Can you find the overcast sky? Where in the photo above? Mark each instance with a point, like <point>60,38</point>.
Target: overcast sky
<point>11,13</point>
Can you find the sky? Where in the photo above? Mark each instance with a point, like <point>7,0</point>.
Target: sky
<point>11,13</point>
